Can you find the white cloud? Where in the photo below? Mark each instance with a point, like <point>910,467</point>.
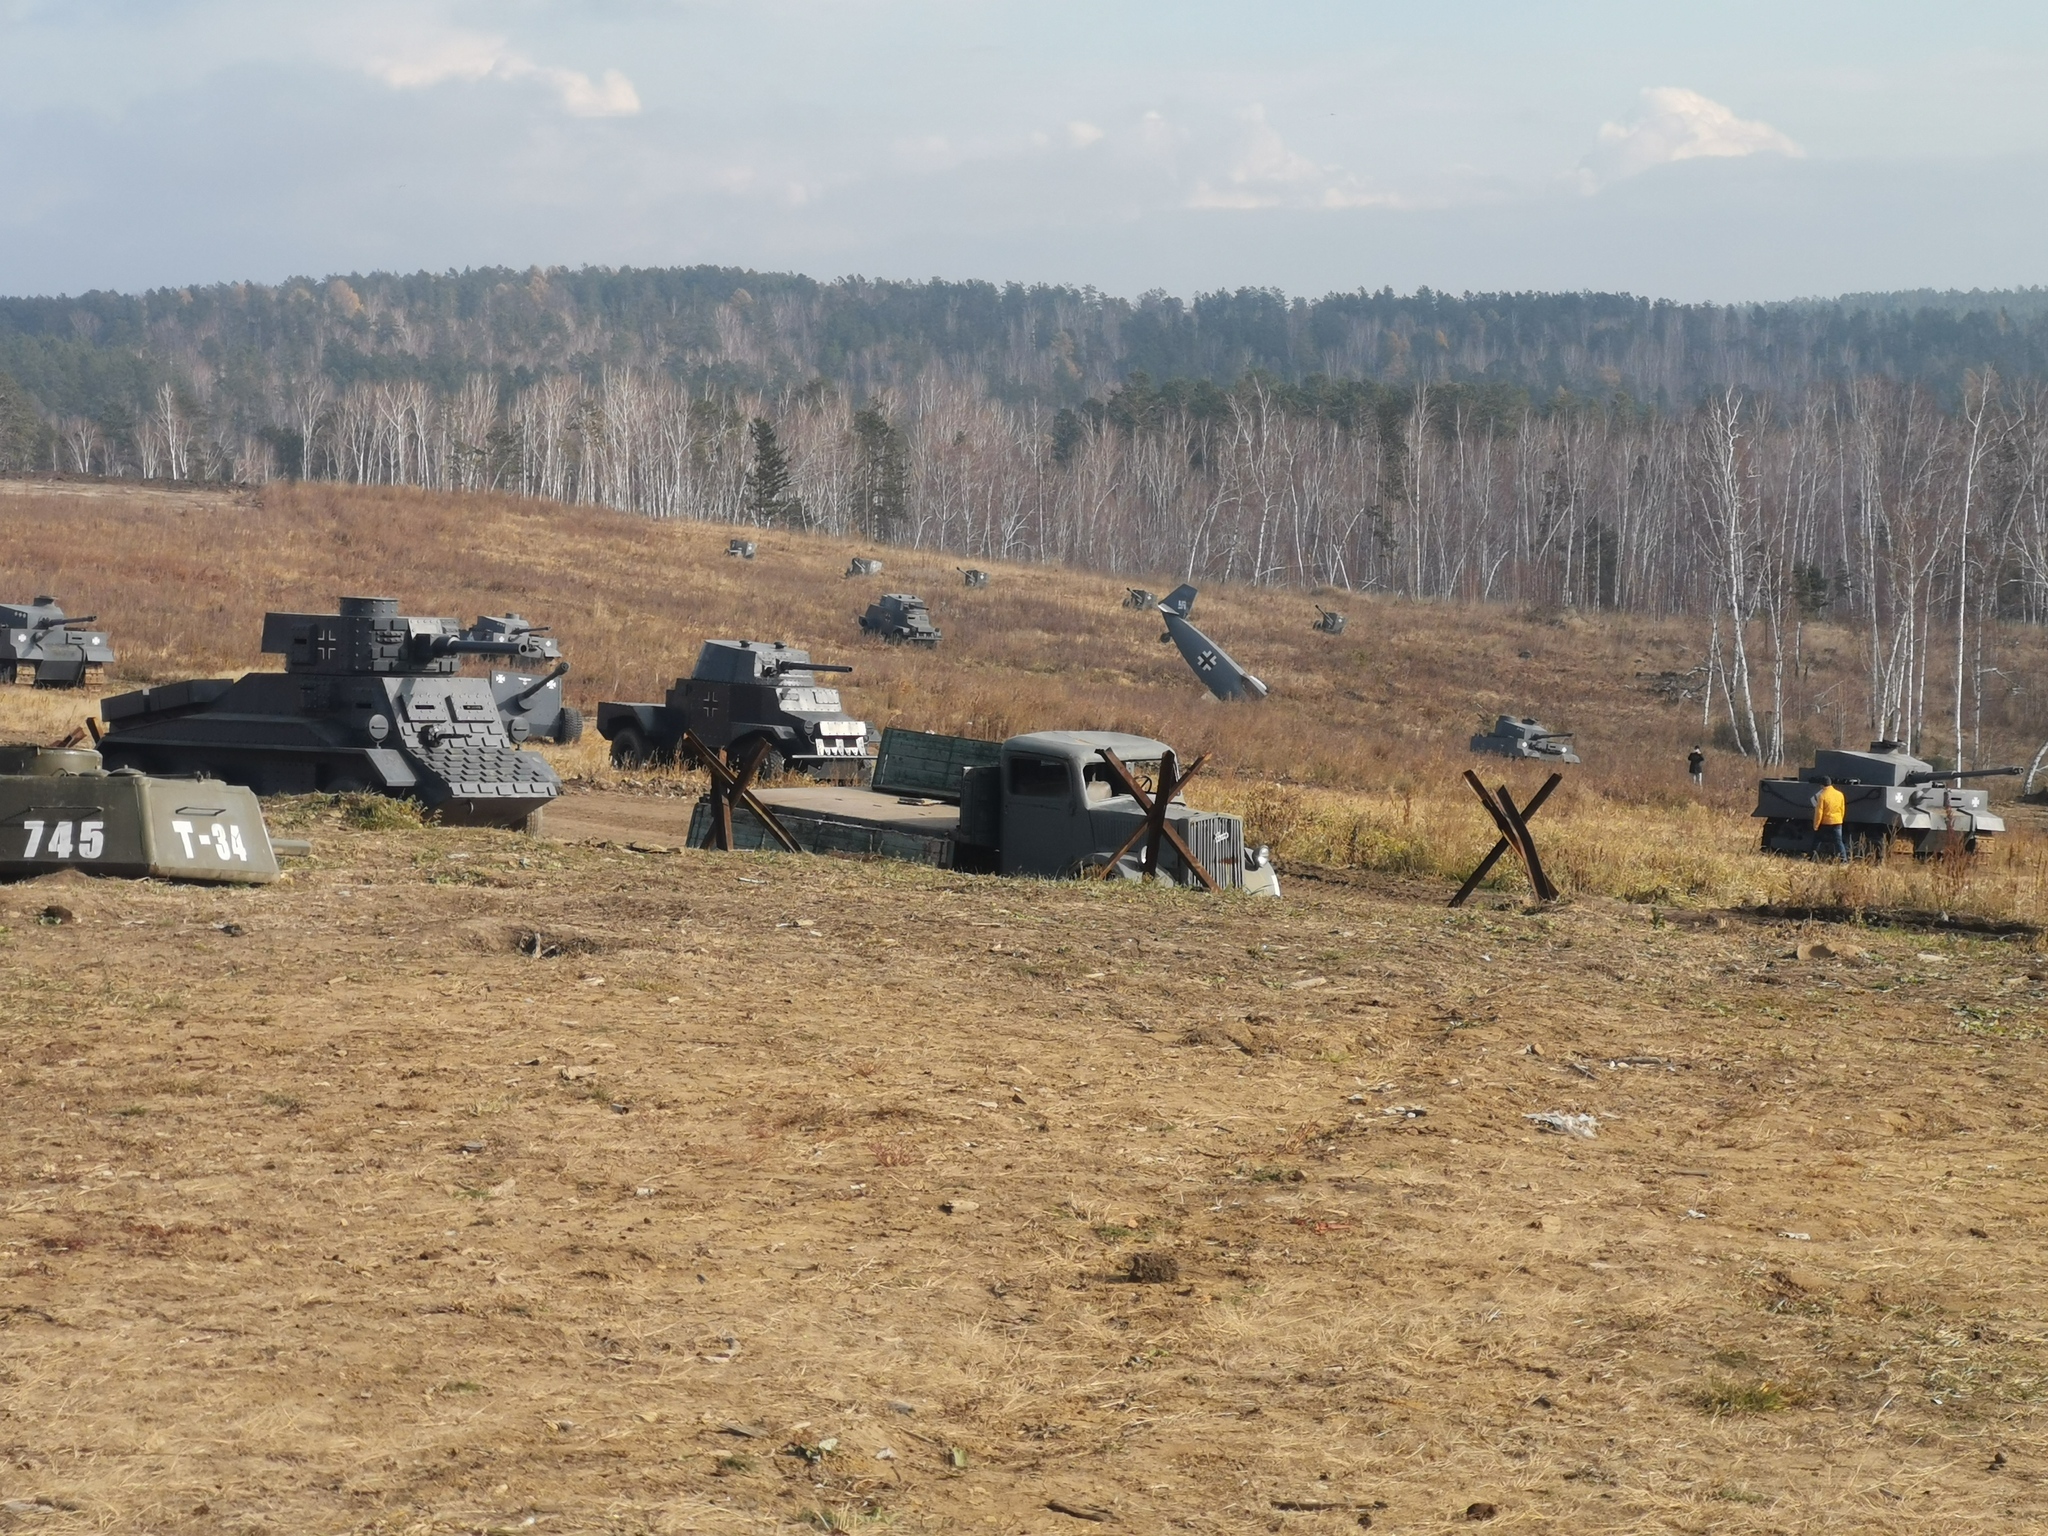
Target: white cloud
<point>1264,172</point>
<point>1081,135</point>
<point>432,57</point>
<point>1676,124</point>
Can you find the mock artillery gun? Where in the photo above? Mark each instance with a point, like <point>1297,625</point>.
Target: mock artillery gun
<point>740,549</point>
<point>1524,737</point>
<point>1138,599</point>
<point>1328,622</point>
<point>39,645</point>
<point>531,706</point>
<point>900,619</point>
<point>860,565</point>
<point>61,809</point>
<point>972,577</point>
<point>1888,796</point>
<point>370,700</point>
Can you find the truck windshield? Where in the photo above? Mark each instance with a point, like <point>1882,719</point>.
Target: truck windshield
<point>1101,786</point>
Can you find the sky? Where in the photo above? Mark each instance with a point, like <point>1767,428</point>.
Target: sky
<point>1728,152</point>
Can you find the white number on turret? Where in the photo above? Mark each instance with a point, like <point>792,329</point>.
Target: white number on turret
<point>222,841</point>
<point>88,843</point>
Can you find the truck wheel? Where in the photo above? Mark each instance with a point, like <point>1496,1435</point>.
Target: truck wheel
<point>569,726</point>
<point>629,748</point>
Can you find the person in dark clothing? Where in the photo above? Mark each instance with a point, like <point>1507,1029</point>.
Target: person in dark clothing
<point>1696,765</point>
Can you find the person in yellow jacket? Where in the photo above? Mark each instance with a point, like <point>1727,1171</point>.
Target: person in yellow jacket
<point>1830,807</point>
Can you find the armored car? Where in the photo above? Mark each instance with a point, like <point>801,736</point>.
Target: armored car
<point>1888,795</point>
<point>370,699</point>
<point>900,619</point>
<point>739,692</point>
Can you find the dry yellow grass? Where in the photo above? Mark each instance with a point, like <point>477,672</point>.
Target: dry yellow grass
<point>1355,761</point>
<point>466,1182</point>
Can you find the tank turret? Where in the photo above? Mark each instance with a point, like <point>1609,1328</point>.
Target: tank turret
<point>370,700</point>
<point>61,809</point>
<point>1888,795</point>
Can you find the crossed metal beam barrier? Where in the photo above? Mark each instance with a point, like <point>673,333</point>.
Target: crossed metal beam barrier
<point>1514,833</point>
<point>1156,828</point>
<point>730,782</point>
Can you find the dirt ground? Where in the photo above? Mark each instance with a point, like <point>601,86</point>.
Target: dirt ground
<point>467,1182</point>
<point>470,1182</point>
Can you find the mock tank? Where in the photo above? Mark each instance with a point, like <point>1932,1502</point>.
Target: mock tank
<point>1888,794</point>
<point>39,645</point>
<point>61,809</point>
<point>370,700</point>
<point>1520,736</point>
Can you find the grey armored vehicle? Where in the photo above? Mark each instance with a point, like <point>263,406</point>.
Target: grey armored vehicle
<point>900,619</point>
<point>53,651</point>
<point>60,809</point>
<point>1045,804</point>
<point>861,565</point>
<point>1328,621</point>
<point>1524,737</point>
<point>1888,795</point>
<point>742,691</point>
<point>369,700</point>
<point>531,706</point>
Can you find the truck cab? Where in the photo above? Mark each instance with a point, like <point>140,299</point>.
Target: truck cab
<point>1061,810</point>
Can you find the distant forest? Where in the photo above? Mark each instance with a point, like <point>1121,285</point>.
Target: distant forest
<point>1878,461</point>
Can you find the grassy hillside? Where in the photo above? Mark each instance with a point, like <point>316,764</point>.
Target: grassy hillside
<point>1354,760</point>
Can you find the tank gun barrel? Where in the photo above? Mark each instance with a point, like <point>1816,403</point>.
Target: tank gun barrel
<point>780,667</point>
<point>464,645</point>
<point>54,623</point>
<point>561,671</point>
<point>1935,776</point>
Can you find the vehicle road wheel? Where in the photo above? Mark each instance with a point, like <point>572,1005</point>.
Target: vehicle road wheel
<point>629,748</point>
<point>772,766</point>
<point>569,726</point>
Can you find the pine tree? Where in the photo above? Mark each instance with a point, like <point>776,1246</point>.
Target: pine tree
<point>881,478</point>
<point>768,501</point>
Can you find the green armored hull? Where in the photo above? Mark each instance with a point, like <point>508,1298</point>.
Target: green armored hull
<point>60,810</point>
